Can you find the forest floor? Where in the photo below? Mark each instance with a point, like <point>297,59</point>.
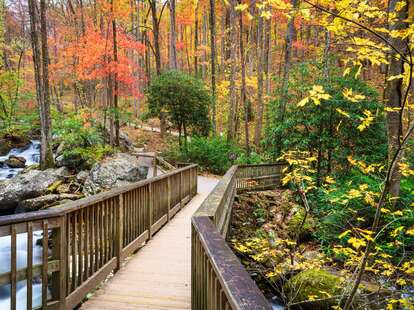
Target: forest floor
<point>151,141</point>
<point>275,243</point>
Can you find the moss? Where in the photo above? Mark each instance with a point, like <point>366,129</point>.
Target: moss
<point>296,220</point>
<point>313,284</point>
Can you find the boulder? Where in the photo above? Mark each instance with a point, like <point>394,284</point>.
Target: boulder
<point>295,221</point>
<point>5,147</point>
<point>120,169</point>
<point>27,185</point>
<point>15,161</point>
<point>314,289</point>
<point>82,176</point>
<point>37,203</point>
<point>9,142</point>
<point>72,161</point>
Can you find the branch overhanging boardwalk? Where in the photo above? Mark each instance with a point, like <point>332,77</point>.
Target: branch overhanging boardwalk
<point>158,276</point>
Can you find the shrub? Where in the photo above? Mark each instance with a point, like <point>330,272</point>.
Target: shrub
<point>82,140</point>
<point>215,154</point>
<point>184,98</point>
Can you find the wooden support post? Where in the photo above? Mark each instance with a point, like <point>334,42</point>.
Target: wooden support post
<point>150,210</point>
<point>119,231</point>
<point>155,166</point>
<point>168,197</point>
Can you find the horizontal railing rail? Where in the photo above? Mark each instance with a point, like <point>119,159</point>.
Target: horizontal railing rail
<point>72,248</point>
<point>219,280</point>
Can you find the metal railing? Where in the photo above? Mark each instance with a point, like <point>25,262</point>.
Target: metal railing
<point>219,280</point>
<point>83,241</point>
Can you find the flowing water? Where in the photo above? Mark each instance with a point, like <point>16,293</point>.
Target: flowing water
<point>21,287</point>
<point>30,152</point>
<point>276,303</point>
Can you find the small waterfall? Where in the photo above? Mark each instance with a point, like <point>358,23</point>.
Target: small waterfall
<point>30,152</point>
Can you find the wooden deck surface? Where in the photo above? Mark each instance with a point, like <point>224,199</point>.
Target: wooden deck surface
<point>158,276</point>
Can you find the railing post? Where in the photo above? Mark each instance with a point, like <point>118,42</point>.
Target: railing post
<point>120,231</point>
<point>181,189</point>
<point>168,198</point>
<point>150,210</point>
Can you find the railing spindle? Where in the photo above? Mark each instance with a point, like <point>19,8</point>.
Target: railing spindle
<point>29,271</point>
<point>13,268</point>
<point>45,255</point>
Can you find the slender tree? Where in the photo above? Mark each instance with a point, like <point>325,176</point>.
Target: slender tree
<point>173,47</point>
<point>41,71</point>
<point>232,117</point>
<point>394,90</point>
<point>260,60</point>
<point>213,61</point>
<point>243,84</point>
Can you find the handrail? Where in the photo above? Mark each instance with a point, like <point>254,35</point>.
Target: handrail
<point>219,280</point>
<point>91,237</point>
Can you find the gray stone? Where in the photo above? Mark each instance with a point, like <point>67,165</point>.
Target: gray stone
<point>15,161</point>
<point>118,170</point>
<point>27,185</point>
<point>82,176</point>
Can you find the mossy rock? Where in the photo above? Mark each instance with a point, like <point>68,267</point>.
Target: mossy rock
<point>313,284</point>
<point>295,221</point>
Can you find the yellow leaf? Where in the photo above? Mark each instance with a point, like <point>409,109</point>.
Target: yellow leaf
<point>340,111</point>
<point>395,77</point>
<point>356,243</point>
<point>303,102</point>
<point>344,234</point>
<point>266,15</point>
<point>347,71</point>
<point>241,7</point>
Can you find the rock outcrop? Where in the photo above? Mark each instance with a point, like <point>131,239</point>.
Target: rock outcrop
<point>27,185</point>
<point>118,170</point>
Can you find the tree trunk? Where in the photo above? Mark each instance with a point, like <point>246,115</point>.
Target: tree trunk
<point>231,121</point>
<point>204,42</point>
<point>290,34</point>
<point>156,32</point>
<point>213,61</point>
<point>267,63</point>
<point>173,48</point>
<point>260,59</point>
<point>393,94</point>
<point>196,39</point>
<point>243,84</point>
<point>115,82</point>
<point>41,63</point>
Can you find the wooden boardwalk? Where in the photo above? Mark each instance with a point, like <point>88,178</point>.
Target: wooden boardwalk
<point>158,276</point>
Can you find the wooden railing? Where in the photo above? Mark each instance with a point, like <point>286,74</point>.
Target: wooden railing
<point>84,241</point>
<point>219,280</point>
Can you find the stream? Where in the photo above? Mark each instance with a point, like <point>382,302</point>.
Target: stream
<point>30,152</point>
<point>21,287</point>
